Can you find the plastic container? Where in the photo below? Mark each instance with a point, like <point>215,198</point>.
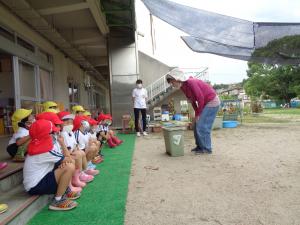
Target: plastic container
<point>218,123</point>
<point>165,116</point>
<point>230,124</point>
<point>174,140</point>
<point>177,117</point>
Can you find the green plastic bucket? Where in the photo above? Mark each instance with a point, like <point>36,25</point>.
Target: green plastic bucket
<point>174,140</point>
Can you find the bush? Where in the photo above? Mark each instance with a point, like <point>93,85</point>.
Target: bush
<point>256,107</point>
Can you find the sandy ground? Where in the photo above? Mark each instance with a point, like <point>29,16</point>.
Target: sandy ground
<point>253,177</point>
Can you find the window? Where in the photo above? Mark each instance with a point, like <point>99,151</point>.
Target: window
<point>25,44</point>
<point>45,85</point>
<point>7,34</point>
<point>74,93</point>
<point>27,80</point>
<point>92,99</point>
<point>35,85</point>
<point>45,56</point>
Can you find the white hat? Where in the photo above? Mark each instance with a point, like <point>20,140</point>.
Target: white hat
<point>177,74</point>
<point>68,117</point>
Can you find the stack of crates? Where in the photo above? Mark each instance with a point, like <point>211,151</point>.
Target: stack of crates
<point>157,114</point>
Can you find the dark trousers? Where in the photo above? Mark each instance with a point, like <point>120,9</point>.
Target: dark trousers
<point>12,149</point>
<point>136,118</point>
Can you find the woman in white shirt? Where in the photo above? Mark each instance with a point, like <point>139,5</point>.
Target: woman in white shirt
<point>139,97</point>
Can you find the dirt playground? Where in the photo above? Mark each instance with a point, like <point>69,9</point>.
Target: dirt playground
<point>252,178</point>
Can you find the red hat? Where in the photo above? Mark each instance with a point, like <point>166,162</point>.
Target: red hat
<point>92,122</point>
<point>77,122</point>
<point>41,140</point>
<point>50,116</point>
<point>101,117</point>
<point>65,115</point>
<point>108,117</point>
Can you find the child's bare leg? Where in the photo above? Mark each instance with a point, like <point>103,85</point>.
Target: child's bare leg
<point>78,159</point>
<point>63,177</point>
<point>84,161</point>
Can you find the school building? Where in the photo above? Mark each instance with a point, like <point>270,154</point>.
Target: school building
<point>69,51</point>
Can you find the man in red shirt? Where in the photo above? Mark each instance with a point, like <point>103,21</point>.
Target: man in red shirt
<point>205,102</point>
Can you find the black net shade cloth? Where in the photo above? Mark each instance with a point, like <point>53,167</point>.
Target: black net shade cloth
<point>231,37</point>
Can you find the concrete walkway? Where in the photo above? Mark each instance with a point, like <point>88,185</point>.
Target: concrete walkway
<point>251,179</point>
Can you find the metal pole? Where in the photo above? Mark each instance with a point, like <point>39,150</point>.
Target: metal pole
<point>16,74</point>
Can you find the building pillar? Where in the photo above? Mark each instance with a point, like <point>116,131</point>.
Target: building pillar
<point>123,63</point>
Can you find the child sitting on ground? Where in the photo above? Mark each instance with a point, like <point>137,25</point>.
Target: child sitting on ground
<point>93,137</point>
<point>50,106</point>
<point>46,170</point>
<point>78,110</point>
<point>105,134</point>
<point>17,145</point>
<point>89,146</point>
<point>80,178</point>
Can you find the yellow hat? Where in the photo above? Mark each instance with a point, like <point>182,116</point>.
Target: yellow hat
<point>77,108</point>
<point>18,115</point>
<point>52,110</point>
<point>87,113</point>
<point>49,104</point>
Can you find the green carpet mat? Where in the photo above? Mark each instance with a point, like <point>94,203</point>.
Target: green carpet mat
<point>103,201</point>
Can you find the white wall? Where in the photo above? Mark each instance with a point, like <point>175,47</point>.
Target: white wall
<point>151,69</point>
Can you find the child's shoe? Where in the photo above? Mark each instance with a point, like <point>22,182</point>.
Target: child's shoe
<point>3,208</point>
<point>92,172</point>
<point>3,165</point>
<point>63,204</point>
<point>90,165</point>
<point>75,189</point>
<point>76,181</point>
<point>18,158</point>
<point>98,159</point>
<point>110,143</point>
<point>71,194</point>
<point>116,140</point>
<point>85,177</point>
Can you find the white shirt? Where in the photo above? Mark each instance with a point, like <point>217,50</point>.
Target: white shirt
<point>93,135</point>
<point>21,132</point>
<point>38,166</point>
<point>140,95</point>
<point>82,139</point>
<point>69,139</point>
<point>103,128</point>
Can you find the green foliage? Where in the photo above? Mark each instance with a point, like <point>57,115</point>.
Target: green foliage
<point>280,82</point>
<point>286,47</point>
<point>131,124</point>
<point>227,97</point>
<point>247,109</point>
<point>289,111</point>
<point>220,86</point>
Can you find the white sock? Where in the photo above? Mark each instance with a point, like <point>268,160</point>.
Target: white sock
<point>57,198</point>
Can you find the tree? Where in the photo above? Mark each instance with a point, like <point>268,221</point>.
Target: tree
<point>220,86</point>
<point>281,82</point>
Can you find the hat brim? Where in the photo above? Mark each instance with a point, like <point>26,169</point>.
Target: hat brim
<point>68,117</point>
<point>52,110</point>
<point>177,74</point>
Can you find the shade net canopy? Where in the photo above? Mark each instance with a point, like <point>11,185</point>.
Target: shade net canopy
<point>231,37</point>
